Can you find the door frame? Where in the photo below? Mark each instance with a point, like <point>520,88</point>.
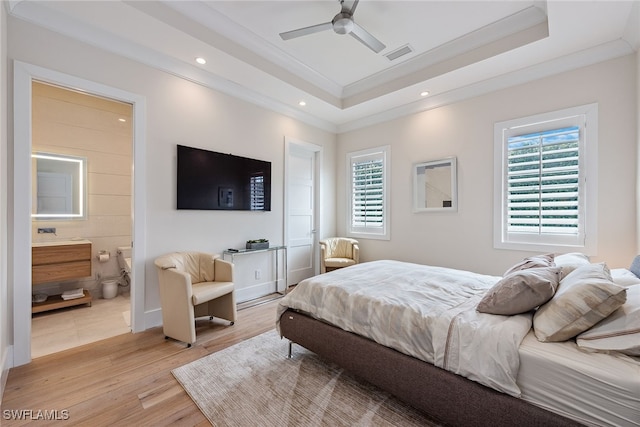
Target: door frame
<point>318,151</point>
<point>20,238</point>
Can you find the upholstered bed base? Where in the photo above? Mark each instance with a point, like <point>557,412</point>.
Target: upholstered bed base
<point>446,397</point>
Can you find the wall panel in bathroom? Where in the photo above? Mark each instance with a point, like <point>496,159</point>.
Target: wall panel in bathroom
<point>79,124</point>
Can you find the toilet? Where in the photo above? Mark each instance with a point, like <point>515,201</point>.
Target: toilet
<point>124,262</point>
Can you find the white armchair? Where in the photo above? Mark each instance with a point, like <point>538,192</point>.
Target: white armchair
<point>192,285</point>
<point>338,252</point>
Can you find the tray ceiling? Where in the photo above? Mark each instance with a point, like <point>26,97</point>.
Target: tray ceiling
<point>452,49</point>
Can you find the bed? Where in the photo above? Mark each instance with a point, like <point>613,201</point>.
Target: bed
<point>426,343</point>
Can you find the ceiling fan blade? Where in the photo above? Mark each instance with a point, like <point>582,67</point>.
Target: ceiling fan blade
<point>353,8</point>
<point>367,39</point>
<point>306,31</point>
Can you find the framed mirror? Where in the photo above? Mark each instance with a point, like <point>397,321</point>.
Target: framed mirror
<point>58,187</point>
<point>435,186</point>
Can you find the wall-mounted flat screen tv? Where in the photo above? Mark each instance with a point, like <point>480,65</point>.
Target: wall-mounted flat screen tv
<point>208,180</point>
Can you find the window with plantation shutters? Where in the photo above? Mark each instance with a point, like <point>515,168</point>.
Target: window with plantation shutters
<point>368,207</point>
<point>544,199</point>
<point>257,192</point>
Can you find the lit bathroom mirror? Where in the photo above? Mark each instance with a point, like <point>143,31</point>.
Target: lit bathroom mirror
<point>435,186</point>
<point>59,187</point>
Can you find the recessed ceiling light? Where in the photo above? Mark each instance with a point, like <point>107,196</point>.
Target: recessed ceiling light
<point>201,60</point>
<point>302,103</point>
<point>425,93</point>
<point>122,120</point>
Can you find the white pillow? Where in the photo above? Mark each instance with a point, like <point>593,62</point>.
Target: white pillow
<point>536,261</point>
<point>570,262</point>
<point>624,277</point>
<point>586,296</point>
<point>618,332</point>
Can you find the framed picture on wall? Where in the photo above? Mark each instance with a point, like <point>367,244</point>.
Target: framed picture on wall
<point>435,186</point>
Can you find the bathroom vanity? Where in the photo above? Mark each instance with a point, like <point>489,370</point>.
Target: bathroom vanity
<point>57,262</point>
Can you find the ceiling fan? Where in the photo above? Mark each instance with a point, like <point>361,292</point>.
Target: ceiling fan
<point>342,23</point>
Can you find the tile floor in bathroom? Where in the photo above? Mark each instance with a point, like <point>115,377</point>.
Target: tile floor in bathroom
<point>66,328</point>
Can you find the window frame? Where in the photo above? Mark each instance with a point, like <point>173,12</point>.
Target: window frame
<point>584,116</point>
<point>382,232</point>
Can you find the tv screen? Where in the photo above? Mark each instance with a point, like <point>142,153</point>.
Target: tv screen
<point>208,180</point>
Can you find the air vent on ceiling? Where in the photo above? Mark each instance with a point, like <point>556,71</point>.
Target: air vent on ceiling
<point>402,51</point>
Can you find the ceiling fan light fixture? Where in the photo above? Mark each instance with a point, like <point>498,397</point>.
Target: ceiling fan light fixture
<point>342,23</point>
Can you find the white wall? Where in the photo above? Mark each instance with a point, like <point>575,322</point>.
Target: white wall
<point>183,112</point>
<point>465,130</point>
<point>638,152</point>
<point>5,311</point>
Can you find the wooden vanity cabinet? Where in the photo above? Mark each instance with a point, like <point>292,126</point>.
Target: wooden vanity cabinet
<point>56,263</point>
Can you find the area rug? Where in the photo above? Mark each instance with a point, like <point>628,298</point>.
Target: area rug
<point>253,383</point>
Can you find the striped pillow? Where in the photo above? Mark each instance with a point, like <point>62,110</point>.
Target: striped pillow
<point>618,332</point>
<point>585,296</point>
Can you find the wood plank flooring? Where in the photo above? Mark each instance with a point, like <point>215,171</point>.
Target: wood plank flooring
<point>124,380</point>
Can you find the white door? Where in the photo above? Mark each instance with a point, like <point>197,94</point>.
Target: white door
<point>301,201</point>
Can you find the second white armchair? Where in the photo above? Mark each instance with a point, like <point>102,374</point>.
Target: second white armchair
<point>338,252</point>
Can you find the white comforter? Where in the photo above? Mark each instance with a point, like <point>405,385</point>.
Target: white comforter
<point>423,311</point>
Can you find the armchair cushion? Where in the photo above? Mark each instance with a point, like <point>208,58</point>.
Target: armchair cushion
<point>338,262</point>
<point>206,291</point>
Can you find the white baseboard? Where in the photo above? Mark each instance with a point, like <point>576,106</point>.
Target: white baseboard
<point>254,291</point>
<point>152,318</point>
<point>6,362</point>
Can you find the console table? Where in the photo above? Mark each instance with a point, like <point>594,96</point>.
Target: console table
<point>276,252</point>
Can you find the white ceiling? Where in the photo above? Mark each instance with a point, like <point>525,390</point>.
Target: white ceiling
<point>459,48</point>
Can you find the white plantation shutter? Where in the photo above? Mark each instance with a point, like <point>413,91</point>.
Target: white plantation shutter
<point>257,192</point>
<point>368,193</point>
<point>543,182</point>
<point>544,201</point>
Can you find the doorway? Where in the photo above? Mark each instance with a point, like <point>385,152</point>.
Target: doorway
<point>21,238</point>
<point>82,144</point>
<point>302,208</point>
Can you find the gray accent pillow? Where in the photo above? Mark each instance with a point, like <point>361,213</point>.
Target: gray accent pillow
<point>535,261</point>
<point>635,266</point>
<point>521,291</point>
<point>585,296</point>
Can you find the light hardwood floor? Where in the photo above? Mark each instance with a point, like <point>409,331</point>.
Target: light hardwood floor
<point>65,328</point>
<point>124,380</point>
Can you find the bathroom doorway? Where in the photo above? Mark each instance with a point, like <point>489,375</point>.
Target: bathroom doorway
<point>21,237</point>
<point>70,127</point>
